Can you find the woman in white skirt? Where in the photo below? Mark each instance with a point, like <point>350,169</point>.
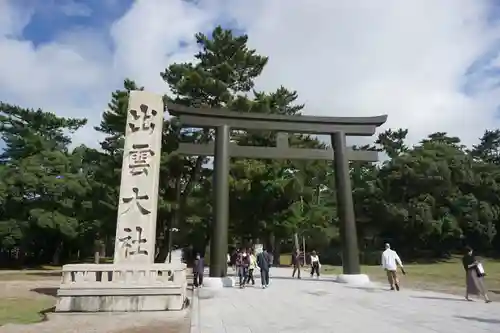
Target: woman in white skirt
<point>474,276</point>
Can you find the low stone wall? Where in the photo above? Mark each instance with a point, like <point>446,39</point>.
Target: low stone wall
<point>114,288</point>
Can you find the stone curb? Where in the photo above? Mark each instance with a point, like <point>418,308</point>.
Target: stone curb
<point>195,313</point>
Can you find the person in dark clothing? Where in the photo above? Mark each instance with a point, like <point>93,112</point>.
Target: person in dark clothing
<point>242,264</point>
<point>234,257</point>
<point>198,269</point>
<point>264,261</point>
<point>474,276</point>
<point>296,263</point>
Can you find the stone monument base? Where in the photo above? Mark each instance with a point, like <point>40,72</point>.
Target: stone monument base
<point>354,279</point>
<point>212,285</point>
<point>118,288</point>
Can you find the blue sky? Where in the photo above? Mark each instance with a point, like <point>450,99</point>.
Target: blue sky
<point>430,65</point>
<point>47,22</point>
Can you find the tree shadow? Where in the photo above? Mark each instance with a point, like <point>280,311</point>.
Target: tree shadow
<point>306,279</point>
<point>44,313</point>
<point>481,320</point>
<point>28,268</point>
<point>45,274</point>
<point>371,289</point>
<point>46,291</point>
<point>441,298</point>
<point>318,293</point>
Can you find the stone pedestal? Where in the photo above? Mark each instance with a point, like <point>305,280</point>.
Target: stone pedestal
<point>212,286</point>
<point>354,279</point>
<point>117,288</point>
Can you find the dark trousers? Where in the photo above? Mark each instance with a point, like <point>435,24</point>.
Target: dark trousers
<point>197,279</point>
<point>264,276</point>
<point>242,274</point>
<point>315,268</point>
<point>250,276</point>
<point>296,269</point>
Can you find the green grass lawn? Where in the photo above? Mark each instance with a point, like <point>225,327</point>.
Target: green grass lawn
<point>23,310</point>
<point>446,276</point>
<point>18,303</point>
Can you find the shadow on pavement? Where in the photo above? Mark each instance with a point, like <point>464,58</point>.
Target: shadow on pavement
<point>371,289</point>
<point>441,298</point>
<point>46,291</point>
<point>307,278</point>
<point>46,274</point>
<point>481,320</point>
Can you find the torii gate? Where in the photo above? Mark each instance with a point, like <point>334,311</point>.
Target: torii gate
<point>223,120</point>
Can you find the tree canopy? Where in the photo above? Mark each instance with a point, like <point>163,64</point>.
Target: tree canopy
<point>59,201</point>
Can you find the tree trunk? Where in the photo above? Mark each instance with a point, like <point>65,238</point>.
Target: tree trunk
<point>21,255</point>
<point>171,223</point>
<point>162,244</point>
<point>277,252</point>
<point>56,257</point>
<point>296,241</point>
<point>273,247</point>
<point>97,251</point>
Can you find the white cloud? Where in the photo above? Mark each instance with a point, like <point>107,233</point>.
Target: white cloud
<point>72,8</point>
<point>147,38</point>
<point>402,58</point>
<point>406,59</point>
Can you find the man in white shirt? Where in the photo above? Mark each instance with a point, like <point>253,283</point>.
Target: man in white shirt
<point>390,261</point>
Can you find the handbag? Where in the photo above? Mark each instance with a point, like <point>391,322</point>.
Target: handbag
<point>480,270</point>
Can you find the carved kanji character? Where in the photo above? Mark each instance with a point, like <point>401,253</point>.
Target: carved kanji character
<point>131,245</point>
<point>139,159</point>
<point>137,198</point>
<point>142,120</point>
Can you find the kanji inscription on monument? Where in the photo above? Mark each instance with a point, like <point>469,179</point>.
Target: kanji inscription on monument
<point>144,119</point>
<point>136,225</point>
<point>132,243</point>
<point>136,200</point>
<point>139,159</point>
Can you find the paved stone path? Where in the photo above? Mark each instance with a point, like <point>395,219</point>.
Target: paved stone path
<point>324,306</point>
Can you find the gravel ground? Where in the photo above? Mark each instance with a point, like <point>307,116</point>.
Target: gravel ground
<point>165,322</point>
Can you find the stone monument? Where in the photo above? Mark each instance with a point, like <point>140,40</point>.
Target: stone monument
<point>136,225</point>
<point>133,282</point>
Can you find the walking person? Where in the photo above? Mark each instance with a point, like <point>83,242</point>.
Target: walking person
<point>198,269</point>
<point>264,261</point>
<point>242,263</point>
<point>296,263</point>
<point>390,262</point>
<point>251,267</point>
<point>315,264</point>
<point>474,276</point>
<point>234,258</point>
